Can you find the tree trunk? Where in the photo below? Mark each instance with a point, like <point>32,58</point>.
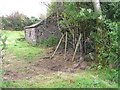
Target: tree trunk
<point>97,7</point>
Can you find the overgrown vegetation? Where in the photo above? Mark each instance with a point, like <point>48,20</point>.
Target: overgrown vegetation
<point>88,31</point>
<point>99,29</point>
<point>99,32</point>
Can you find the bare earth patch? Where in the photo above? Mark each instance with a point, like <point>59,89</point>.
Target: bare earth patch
<point>19,69</point>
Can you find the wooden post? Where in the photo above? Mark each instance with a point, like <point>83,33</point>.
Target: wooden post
<point>57,46</point>
<point>65,45</point>
<point>76,47</point>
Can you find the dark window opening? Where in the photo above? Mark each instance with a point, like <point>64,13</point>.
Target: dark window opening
<point>52,32</point>
<point>30,34</point>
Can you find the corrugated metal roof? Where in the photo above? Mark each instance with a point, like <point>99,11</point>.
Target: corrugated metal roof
<point>37,24</point>
<point>33,25</point>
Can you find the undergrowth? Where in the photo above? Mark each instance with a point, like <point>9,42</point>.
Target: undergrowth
<point>50,42</point>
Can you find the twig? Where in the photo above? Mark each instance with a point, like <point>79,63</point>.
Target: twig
<point>65,46</point>
<point>76,47</point>
<point>57,46</point>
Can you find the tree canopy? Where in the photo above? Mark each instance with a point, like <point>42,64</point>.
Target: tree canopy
<point>17,21</point>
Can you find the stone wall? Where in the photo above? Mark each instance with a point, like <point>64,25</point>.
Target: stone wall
<point>46,32</point>
<point>42,30</point>
<point>30,35</point>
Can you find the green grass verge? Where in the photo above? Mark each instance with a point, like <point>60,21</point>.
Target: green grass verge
<point>19,47</point>
<point>65,80</point>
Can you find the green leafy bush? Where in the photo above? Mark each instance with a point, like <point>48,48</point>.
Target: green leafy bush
<point>106,40</point>
<point>110,75</point>
<point>51,41</point>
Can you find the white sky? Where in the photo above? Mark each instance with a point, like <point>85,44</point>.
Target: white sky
<point>27,7</point>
